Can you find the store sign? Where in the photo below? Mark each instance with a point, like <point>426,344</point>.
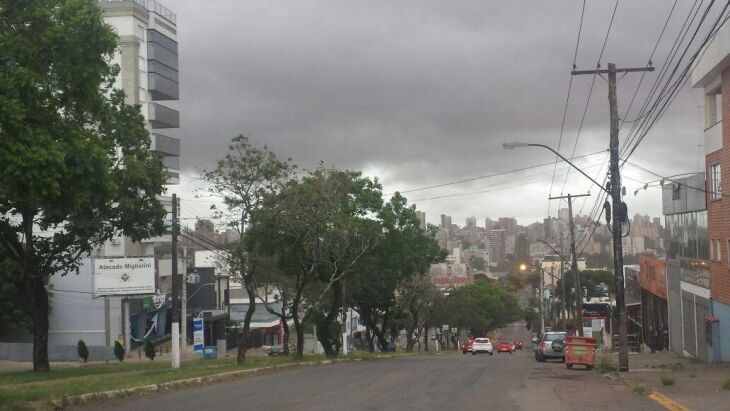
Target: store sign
<point>654,275</point>
<point>595,310</point>
<point>198,336</point>
<point>124,276</point>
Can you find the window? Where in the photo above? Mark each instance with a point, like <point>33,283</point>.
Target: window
<point>727,242</point>
<point>712,250</point>
<point>718,250</point>
<point>715,178</point>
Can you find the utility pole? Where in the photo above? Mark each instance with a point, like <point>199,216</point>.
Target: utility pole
<point>175,290</point>
<point>542,302</point>
<point>618,209</point>
<point>574,260</point>
<point>566,314</point>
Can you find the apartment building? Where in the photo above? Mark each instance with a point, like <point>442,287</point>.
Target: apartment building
<point>711,74</point>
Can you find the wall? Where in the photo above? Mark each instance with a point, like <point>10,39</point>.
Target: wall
<point>722,311</point>
<point>654,275</point>
<point>62,353</point>
<point>674,304</point>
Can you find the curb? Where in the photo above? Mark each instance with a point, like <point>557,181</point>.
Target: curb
<point>658,397</point>
<point>82,399</point>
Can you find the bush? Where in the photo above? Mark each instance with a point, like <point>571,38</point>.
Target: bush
<point>667,380</point>
<point>82,350</point>
<point>726,385</point>
<point>119,350</point>
<point>149,350</point>
<point>641,390</point>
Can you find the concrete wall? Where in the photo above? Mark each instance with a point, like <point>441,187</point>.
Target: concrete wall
<point>674,306</point>
<point>61,353</point>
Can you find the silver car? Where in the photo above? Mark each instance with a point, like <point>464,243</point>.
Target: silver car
<point>551,346</point>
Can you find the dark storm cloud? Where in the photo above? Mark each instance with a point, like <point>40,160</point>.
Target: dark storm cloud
<point>419,92</point>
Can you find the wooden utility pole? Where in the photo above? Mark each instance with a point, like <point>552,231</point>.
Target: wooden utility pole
<point>574,261</point>
<point>618,210</point>
<point>176,285</point>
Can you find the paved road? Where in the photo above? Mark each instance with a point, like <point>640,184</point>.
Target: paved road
<point>460,382</point>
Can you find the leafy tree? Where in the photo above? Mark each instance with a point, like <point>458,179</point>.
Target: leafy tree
<point>242,179</point>
<point>480,308</point>
<point>403,251</point>
<point>477,263</point>
<point>316,229</point>
<point>415,297</point>
<point>75,165</point>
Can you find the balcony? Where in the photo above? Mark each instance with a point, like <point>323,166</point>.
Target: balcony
<point>714,59</point>
<point>162,88</point>
<point>167,146</point>
<point>161,54</point>
<point>713,138</point>
<point>163,117</point>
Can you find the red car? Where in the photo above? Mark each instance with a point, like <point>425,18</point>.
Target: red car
<point>466,347</point>
<point>505,346</point>
<point>518,344</point>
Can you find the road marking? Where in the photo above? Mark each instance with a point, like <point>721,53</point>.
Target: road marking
<point>667,402</point>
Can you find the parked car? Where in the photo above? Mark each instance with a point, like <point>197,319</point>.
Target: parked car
<point>466,347</point>
<point>482,345</point>
<point>275,350</point>
<point>518,344</point>
<point>505,346</point>
<point>551,346</point>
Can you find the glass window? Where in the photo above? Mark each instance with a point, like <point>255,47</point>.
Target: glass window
<point>715,181</point>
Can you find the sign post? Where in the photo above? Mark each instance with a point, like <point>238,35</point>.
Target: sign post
<point>198,337</point>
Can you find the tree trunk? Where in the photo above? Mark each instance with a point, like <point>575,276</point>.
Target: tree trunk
<point>409,339</point>
<point>39,314</point>
<point>300,335</point>
<point>285,340</point>
<point>329,329</point>
<point>370,338</point>
<point>243,337</point>
<point>425,337</point>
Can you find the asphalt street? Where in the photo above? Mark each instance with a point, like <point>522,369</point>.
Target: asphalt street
<point>452,381</point>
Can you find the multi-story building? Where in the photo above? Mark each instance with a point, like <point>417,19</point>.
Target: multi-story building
<point>445,221</point>
<point>711,74</point>
<point>497,245</point>
<point>687,266</point>
<point>422,219</point>
<point>147,56</point>
<point>471,222</point>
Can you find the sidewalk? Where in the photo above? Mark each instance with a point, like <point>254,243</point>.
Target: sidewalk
<point>695,385</point>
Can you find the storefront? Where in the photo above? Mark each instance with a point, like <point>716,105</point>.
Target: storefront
<point>654,314</point>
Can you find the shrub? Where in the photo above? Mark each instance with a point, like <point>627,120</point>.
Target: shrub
<point>726,385</point>
<point>641,390</point>
<point>82,350</point>
<point>119,350</point>
<point>149,350</point>
<point>667,380</point>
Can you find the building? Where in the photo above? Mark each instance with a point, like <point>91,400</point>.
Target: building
<point>445,221</point>
<point>497,245</point>
<point>422,219</point>
<point>471,222</point>
<point>688,273</point>
<point>654,308</point>
<point>711,74</point>
<point>148,62</point>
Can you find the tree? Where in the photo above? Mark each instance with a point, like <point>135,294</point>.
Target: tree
<point>82,350</point>
<point>480,308</point>
<point>242,179</point>
<point>477,263</point>
<point>75,165</point>
<point>403,251</point>
<point>415,298</point>
<point>316,229</point>
<point>149,350</point>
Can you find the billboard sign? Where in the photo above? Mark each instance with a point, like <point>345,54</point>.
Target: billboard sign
<point>124,276</point>
<point>654,275</point>
<point>198,336</point>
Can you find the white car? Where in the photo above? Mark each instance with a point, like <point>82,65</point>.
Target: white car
<point>482,345</point>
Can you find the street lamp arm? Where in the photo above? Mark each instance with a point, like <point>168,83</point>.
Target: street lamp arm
<point>198,289</point>
<point>510,146</point>
<point>554,250</point>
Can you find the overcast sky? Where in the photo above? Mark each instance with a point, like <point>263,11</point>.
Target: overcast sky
<point>424,92</point>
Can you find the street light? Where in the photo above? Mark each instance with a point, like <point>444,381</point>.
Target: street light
<point>562,275</point>
<point>513,145</point>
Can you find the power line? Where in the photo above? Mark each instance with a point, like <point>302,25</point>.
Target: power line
<point>567,100</point>
<point>500,173</point>
<point>590,91</point>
